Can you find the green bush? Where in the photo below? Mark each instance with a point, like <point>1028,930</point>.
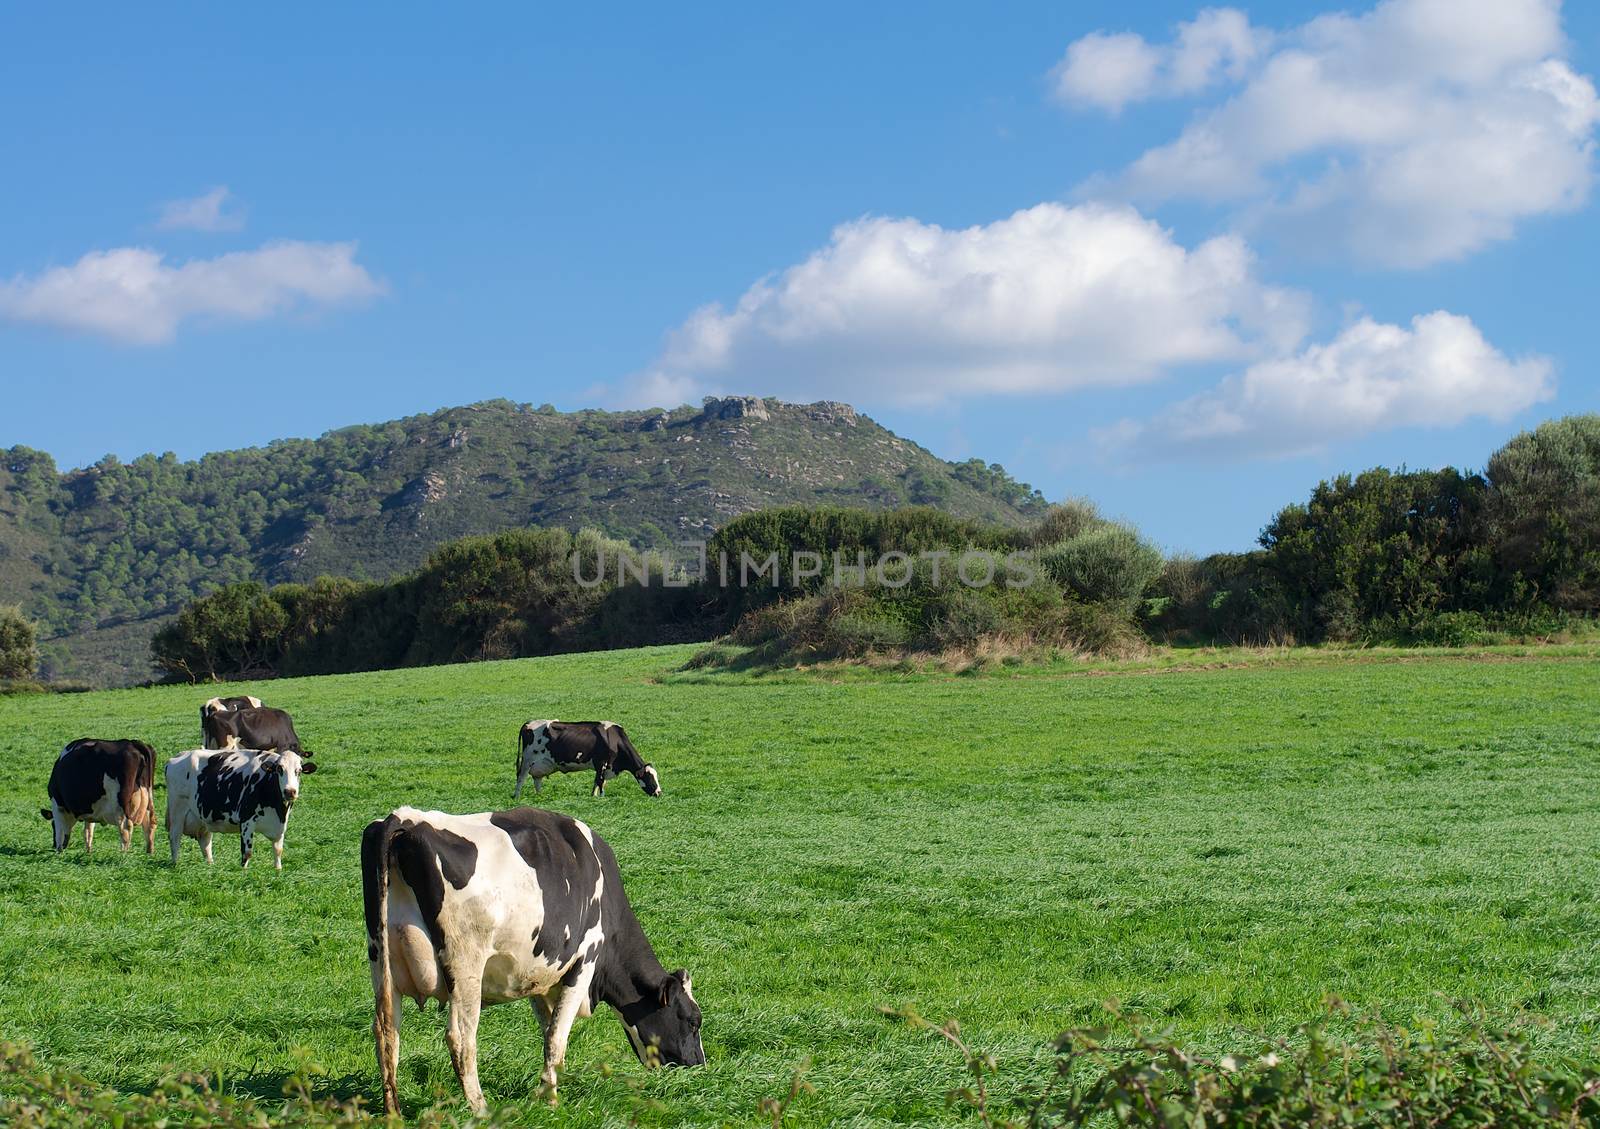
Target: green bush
<point>1065,521</point>
<point>1108,564</point>
<point>1544,509</point>
<point>19,652</point>
<point>1373,1075</point>
<point>1450,629</point>
<point>960,617</point>
<point>1107,630</point>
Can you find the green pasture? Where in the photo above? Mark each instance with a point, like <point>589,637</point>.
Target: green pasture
<point>1218,848</point>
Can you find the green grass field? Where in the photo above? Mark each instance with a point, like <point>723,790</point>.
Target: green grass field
<point>1217,848</point>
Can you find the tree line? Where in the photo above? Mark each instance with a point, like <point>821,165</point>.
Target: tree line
<point>1432,556</point>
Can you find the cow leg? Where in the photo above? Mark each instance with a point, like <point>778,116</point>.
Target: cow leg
<point>246,841</point>
<point>88,837</point>
<point>125,830</point>
<point>522,774</point>
<point>205,844</point>
<point>150,830</point>
<point>556,1032</point>
<point>466,1000</point>
<point>277,853</point>
<point>543,1011</point>
<point>599,783</point>
<point>174,832</point>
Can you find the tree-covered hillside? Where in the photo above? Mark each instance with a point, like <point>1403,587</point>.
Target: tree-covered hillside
<point>100,556</point>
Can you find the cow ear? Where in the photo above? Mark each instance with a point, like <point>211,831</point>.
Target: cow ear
<point>670,987</point>
<point>46,813</point>
<point>676,981</point>
<point>307,766</point>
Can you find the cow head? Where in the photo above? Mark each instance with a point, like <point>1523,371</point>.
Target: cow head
<point>649,781</point>
<point>669,1033</point>
<point>289,767</point>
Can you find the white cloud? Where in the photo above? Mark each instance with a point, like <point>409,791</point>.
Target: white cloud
<point>1371,377</point>
<point>1109,71</point>
<point>202,213</point>
<point>1416,133</point>
<point>130,294</point>
<point>1050,299</point>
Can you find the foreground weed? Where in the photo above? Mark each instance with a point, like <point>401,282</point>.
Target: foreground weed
<point>1481,1073</point>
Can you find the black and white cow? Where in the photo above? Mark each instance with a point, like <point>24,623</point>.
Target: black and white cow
<point>95,781</point>
<point>226,705</point>
<point>252,727</point>
<point>233,792</point>
<point>601,747</point>
<point>499,906</point>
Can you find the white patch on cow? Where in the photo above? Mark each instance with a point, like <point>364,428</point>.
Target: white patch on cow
<point>108,808</point>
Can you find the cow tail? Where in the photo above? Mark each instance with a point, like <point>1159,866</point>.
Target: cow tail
<point>147,769</point>
<point>138,784</point>
<point>377,842</point>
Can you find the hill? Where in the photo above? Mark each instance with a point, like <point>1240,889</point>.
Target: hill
<point>101,556</point>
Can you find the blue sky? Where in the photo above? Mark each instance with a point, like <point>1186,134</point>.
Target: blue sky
<point>1163,258</point>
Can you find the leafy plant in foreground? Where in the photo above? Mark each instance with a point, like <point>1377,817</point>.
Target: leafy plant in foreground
<point>1479,1073</point>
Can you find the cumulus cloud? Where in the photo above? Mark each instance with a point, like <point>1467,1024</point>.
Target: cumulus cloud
<point>132,295</point>
<point>1415,133</point>
<point>202,213</point>
<point>1050,299</point>
<point>1109,71</point>
<point>1439,372</point>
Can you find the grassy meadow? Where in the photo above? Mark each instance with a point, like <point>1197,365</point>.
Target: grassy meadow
<point>1217,845</point>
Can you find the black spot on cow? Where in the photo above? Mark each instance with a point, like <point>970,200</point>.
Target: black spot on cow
<point>421,853</point>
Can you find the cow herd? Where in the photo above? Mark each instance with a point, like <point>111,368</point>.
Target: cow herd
<point>468,910</point>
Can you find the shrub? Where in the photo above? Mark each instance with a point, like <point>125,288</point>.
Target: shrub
<point>858,633</point>
<point>19,652</point>
<point>1065,521</point>
<point>959,617</point>
<point>1477,1074</point>
<point>1108,564</point>
<point>1107,630</point>
<point>1450,629</point>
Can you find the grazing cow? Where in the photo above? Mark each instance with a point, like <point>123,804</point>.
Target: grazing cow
<point>498,906</point>
<point>252,727</point>
<point>97,781</point>
<point>233,792</point>
<point>546,747</point>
